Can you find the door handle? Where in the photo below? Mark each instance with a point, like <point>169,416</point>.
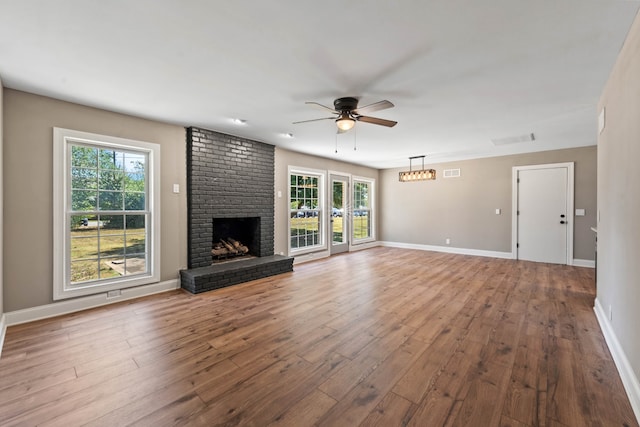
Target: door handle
<point>562,216</point>
<point>563,222</point>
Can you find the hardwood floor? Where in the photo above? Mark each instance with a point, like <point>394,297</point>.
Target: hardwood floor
<point>381,337</point>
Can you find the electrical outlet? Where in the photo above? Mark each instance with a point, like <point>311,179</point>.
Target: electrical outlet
<point>448,241</point>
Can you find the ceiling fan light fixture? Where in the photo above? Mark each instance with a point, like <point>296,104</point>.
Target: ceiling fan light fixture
<point>344,122</point>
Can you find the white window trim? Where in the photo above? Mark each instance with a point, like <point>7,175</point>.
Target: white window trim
<point>61,239</point>
<point>372,209</point>
<point>322,175</point>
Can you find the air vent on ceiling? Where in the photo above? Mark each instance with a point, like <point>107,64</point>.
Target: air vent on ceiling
<point>451,173</point>
<point>514,139</point>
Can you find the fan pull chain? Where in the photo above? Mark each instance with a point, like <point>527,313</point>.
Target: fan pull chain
<point>336,142</point>
<point>354,138</point>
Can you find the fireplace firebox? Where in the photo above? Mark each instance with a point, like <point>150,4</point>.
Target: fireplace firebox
<point>241,232</point>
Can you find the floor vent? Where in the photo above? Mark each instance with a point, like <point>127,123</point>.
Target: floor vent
<point>451,173</point>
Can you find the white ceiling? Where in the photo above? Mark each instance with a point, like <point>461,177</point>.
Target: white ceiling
<point>460,72</point>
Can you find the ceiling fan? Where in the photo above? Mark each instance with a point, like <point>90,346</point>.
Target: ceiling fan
<point>348,113</point>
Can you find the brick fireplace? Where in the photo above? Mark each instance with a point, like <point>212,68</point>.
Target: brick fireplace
<point>230,185</point>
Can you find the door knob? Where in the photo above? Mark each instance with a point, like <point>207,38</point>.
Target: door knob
<point>562,222</point>
<point>562,216</point>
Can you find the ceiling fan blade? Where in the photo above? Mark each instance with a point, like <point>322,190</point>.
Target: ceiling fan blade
<point>376,121</point>
<point>321,106</point>
<point>314,120</point>
<point>376,106</point>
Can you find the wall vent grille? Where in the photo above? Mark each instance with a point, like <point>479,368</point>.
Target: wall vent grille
<point>451,173</point>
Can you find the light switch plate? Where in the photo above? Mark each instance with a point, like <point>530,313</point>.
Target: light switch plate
<point>176,188</point>
<point>580,212</point>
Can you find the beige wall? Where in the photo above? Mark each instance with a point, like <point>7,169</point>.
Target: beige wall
<point>28,169</point>
<point>284,159</point>
<point>619,200</point>
<point>463,209</point>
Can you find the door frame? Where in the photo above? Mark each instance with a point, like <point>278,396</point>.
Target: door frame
<point>570,204</point>
<point>346,216</point>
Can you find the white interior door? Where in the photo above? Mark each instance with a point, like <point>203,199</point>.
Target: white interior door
<point>543,215</point>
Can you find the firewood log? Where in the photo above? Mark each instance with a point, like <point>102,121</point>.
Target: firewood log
<point>239,246</point>
<point>219,252</point>
<point>229,246</point>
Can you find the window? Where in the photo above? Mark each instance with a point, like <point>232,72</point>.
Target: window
<point>362,210</point>
<point>106,205</point>
<point>305,201</point>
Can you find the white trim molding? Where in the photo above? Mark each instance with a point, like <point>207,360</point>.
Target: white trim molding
<point>627,375</point>
<point>310,256</point>
<point>365,245</point>
<point>448,249</point>
<point>313,256</point>
<point>588,263</point>
<point>83,303</point>
<point>3,331</point>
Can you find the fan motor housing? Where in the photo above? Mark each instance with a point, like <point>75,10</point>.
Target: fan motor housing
<point>348,103</point>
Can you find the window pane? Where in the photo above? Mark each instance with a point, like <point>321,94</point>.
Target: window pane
<point>83,178</point>
<point>136,223</point>
<point>83,247</point>
<point>83,200</point>
<point>135,265</point>
<point>134,201</point>
<point>111,159</point>
<point>110,201</point>
<point>111,245</point>
<point>361,224</point>
<point>109,268</point>
<point>111,225</point>
<point>134,163</point>
<point>135,244</point>
<point>82,271</point>
<point>86,157</point>
<point>110,180</point>
<point>134,181</point>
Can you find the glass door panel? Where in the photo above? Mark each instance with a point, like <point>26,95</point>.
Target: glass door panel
<point>338,215</point>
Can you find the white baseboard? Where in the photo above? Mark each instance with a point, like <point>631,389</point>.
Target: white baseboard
<point>629,379</point>
<point>82,303</point>
<point>3,331</point>
<point>362,246</point>
<point>448,249</point>
<point>589,263</point>
<point>311,256</point>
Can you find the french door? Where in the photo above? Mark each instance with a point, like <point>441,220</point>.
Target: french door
<point>339,213</point>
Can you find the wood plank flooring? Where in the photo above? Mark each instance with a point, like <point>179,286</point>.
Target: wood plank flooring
<point>382,337</point>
